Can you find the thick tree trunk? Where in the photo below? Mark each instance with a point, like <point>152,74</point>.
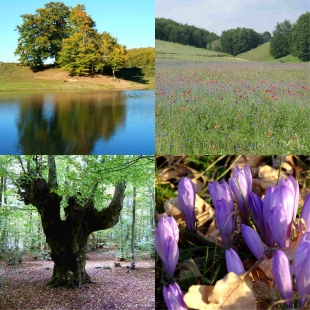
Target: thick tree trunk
<point>68,238</point>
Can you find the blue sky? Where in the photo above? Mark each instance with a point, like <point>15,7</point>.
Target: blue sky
<point>131,21</point>
<point>219,15</point>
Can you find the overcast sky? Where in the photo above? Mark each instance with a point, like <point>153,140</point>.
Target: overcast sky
<point>131,21</point>
<point>219,15</point>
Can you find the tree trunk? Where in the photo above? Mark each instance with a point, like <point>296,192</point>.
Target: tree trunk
<point>67,238</point>
<point>133,266</point>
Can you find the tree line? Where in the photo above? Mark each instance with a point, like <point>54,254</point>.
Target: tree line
<point>287,38</point>
<point>292,38</point>
<point>67,35</point>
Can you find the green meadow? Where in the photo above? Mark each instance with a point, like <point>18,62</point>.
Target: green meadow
<point>216,104</point>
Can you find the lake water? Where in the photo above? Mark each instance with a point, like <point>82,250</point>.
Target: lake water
<point>76,122</point>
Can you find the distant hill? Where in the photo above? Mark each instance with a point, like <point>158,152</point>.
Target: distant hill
<point>261,53</point>
<point>169,50</point>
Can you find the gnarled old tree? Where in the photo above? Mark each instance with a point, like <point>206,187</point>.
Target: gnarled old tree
<point>66,235</point>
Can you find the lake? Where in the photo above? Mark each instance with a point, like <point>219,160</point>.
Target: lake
<point>77,122</point>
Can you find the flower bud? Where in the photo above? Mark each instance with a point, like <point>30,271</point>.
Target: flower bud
<point>282,276</point>
<point>221,191</point>
<point>301,268</point>
<point>266,233</point>
<point>244,178</point>
<point>256,207</point>
<point>223,219</point>
<point>174,297</point>
<point>278,225</point>
<point>171,255</point>
<point>253,241</point>
<point>187,199</point>
<point>233,262</point>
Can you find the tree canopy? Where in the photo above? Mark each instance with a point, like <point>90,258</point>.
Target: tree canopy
<point>300,37</point>
<point>239,40</point>
<point>68,35</point>
<point>280,41</point>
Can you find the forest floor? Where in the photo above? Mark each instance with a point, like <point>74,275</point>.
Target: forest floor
<point>19,78</point>
<point>23,286</point>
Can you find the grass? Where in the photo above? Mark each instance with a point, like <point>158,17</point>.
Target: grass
<point>19,78</point>
<point>223,106</point>
<point>261,53</point>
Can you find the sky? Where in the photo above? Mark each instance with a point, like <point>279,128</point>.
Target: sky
<point>218,15</point>
<point>131,21</point>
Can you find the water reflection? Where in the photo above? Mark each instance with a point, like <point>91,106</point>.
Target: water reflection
<point>78,123</point>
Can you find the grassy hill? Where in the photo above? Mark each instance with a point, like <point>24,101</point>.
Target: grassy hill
<point>261,53</point>
<point>14,77</point>
<point>169,50</point>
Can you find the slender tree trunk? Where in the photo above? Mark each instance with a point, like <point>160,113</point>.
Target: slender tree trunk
<point>67,238</point>
<point>132,266</point>
<point>121,239</point>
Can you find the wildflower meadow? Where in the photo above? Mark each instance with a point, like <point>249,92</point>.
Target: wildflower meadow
<point>256,256</point>
<point>231,107</point>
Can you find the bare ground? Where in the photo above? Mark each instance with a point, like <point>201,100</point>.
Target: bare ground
<point>56,74</point>
<point>24,286</point>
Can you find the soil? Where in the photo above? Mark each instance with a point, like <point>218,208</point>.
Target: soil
<point>23,286</point>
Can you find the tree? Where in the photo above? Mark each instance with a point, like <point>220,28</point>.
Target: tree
<point>300,37</point>
<point>67,207</point>
<point>266,36</point>
<point>280,41</point>
<point>41,34</point>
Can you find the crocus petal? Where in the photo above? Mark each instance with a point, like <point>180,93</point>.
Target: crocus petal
<point>305,215</point>
<point>174,297</point>
<point>256,207</point>
<point>223,220</point>
<point>278,225</point>
<point>171,255</point>
<point>219,191</point>
<point>283,277</point>
<point>233,262</point>
<point>301,268</point>
<point>244,178</point>
<point>187,199</point>
<point>253,241</point>
<point>283,195</point>
<point>266,233</point>
<point>167,226</point>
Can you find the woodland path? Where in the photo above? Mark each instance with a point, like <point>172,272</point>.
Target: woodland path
<point>23,286</point>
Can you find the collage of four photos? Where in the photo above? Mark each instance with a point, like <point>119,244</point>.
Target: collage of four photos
<point>155,154</point>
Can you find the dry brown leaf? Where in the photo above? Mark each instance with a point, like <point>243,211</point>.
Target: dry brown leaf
<point>263,291</point>
<point>197,295</point>
<point>268,175</point>
<point>212,234</point>
<point>232,292</point>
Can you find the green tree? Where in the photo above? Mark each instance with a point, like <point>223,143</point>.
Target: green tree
<point>266,36</point>
<point>280,41</point>
<point>41,34</point>
<point>300,37</point>
<point>74,196</point>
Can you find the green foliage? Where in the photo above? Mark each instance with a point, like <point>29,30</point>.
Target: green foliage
<point>169,30</point>
<point>266,36</point>
<point>41,34</point>
<point>280,41</point>
<point>300,37</point>
<point>239,40</point>
<point>140,57</point>
<point>216,46</point>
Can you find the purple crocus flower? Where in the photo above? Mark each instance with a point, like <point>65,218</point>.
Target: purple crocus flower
<point>167,226</point>
<point>244,177</point>
<point>301,268</point>
<point>223,220</point>
<point>187,199</point>
<point>233,262</point>
<point>283,277</point>
<point>166,242</point>
<point>266,232</point>
<point>253,241</point>
<point>305,215</point>
<point>256,207</point>
<point>219,191</point>
<point>174,297</point>
<point>278,225</point>
<point>284,196</point>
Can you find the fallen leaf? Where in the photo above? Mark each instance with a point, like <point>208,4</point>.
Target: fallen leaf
<point>197,295</point>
